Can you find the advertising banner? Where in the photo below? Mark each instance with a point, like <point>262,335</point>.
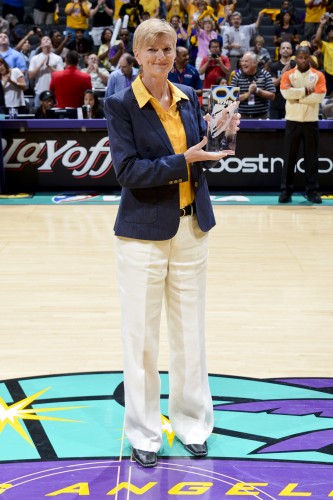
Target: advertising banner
<point>44,160</point>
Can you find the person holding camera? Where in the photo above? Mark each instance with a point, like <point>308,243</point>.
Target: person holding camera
<point>214,66</point>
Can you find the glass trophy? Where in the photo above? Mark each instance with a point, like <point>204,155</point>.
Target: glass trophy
<point>223,110</point>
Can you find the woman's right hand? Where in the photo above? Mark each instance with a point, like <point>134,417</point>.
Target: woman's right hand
<point>196,153</point>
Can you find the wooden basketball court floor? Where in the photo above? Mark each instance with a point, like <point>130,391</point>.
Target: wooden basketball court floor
<point>269,351</point>
<point>269,297</point>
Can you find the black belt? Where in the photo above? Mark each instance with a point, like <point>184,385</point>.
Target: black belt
<point>188,210</point>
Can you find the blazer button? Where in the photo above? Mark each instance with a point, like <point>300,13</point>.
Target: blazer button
<point>196,184</point>
<point>180,180</point>
<point>170,182</point>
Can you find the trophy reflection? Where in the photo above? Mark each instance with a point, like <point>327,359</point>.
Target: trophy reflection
<point>222,125</point>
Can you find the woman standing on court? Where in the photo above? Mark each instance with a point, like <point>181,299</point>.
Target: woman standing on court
<point>165,213</point>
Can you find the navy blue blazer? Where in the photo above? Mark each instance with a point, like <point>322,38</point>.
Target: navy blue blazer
<point>148,169</point>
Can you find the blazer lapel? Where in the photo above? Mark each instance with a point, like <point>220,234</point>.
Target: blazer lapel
<point>150,115</point>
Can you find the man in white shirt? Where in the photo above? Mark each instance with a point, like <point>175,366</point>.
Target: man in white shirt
<point>99,76</point>
<point>42,66</point>
<point>236,38</point>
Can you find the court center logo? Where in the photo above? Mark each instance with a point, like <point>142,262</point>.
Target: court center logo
<point>62,436</point>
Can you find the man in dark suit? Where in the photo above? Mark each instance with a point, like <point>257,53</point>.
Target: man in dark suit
<point>70,84</point>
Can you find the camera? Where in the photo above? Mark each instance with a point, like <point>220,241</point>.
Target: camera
<point>214,56</point>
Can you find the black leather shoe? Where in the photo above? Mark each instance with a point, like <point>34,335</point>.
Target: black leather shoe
<point>314,197</point>
<point>144,458</point>
<point>199,450</point>
<point>285,197</point>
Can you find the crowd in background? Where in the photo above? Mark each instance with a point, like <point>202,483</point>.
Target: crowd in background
<point>56,55</point>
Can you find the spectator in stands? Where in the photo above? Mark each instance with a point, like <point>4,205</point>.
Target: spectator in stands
<point>206,33</point>
<point>122,77</point>
<point>236,39</point>
<point>14,31</point>
<point>314,9</point>
<point>223,7</point>
<point>327,49</point>
<point>316,52</point>
<point>91,99</point>
<point>25,42</point>
<point>214,66</point>
<point>225,22</point>
<point>70,84</point>
<point>304,88</point>
<point>24,47</point>
<point>263,56</point>
<point>77,17</point>
<point>193,12</point>
<point>104,49</point>
<point>80,44</point>
<point>286,31</point>
<point>59,42</point>
<point>205,11</point>
<point>42,66</point>
<point>316,57</point>
<point>286,6</point>
<point>99,76</point>
<point>182,34</point>
<point>145,16</point>
<point>101,13</point>
<point>47,102</point>
<point>13,83</point>
<point>175,8</point>
<point>152,7</point>
<point>256,88</point>
<point>183,72</point>
<point>277,109</point>
<point>4,25</point>
<point>15,7</point>
<point>134,10</point>
<point>13,58</point>
<point>45,10</point>
<point>124,46</point>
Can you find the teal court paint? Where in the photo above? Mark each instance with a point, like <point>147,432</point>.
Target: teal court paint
<point>62,436</point>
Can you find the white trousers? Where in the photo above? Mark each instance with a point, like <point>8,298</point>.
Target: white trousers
<point>175,269</point>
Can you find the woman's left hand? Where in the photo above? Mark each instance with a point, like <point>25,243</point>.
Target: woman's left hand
<point>196,153</point>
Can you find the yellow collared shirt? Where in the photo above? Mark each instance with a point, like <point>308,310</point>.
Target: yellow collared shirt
<point>173,126</point>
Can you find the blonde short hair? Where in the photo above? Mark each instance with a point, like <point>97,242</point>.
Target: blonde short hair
<point>148,31</point>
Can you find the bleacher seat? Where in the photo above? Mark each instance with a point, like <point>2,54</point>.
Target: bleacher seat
<point>269,40</point>
<point>271,49</point>
<point>266,21</point>
<point>242,4</point>
<point>299,4</point>
<point>267,30</point>
<point>259,4</point>
<point>275,4</point>
<point>247,20</point>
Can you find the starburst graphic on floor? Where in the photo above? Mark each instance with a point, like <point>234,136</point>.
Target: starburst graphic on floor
<point>12,414</point>
<point>167,429</point>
